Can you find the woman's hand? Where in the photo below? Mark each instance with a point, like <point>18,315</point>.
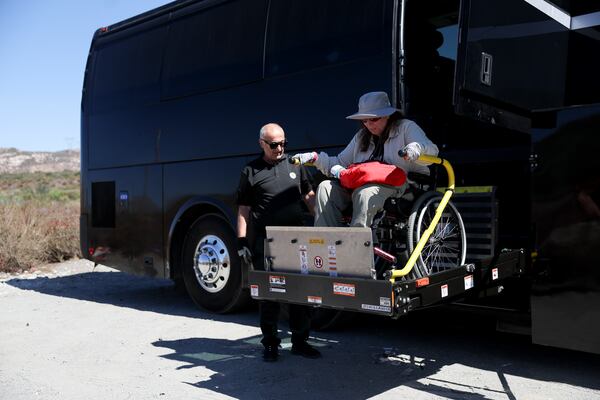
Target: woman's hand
<point>410,152</point>
<point>336,170</point>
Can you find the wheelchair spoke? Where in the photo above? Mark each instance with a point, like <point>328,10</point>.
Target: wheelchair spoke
<point>446,247</point>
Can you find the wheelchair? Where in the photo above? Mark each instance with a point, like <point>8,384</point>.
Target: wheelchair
<point>399,227</point>
<point>420,233</point>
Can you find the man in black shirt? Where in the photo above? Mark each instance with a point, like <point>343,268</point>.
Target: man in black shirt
<point>270,193</point>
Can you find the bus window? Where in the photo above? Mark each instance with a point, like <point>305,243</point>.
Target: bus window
<point>305,34</point>
<point>450,44</point>
<point>215,48</point>
<point>430,45</point>
<point>127,71</point>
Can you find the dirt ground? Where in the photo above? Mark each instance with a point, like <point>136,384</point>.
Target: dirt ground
<point>71,331</point>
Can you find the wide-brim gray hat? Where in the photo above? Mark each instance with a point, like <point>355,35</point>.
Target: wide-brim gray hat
<point>373,105</point>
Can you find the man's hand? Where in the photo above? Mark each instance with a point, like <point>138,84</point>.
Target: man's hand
<point>336,170</point>
<point>244,250</point>
<point>305,158</point>
<point>411,152</point>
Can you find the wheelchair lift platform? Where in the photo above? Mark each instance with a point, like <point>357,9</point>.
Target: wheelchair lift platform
<point>334,268</point>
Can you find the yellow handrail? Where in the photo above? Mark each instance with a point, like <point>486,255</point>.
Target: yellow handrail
<point>438,213</point>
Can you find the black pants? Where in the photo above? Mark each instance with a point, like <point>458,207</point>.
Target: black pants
<point>269,316</point>
<point>269,310</point>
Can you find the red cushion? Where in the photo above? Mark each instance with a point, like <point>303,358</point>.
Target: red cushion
<point>357,175</point>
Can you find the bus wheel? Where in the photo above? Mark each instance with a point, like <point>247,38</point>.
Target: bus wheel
<point>212,271</point>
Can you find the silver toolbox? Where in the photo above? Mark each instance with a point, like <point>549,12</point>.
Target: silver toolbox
<point>344,252</point>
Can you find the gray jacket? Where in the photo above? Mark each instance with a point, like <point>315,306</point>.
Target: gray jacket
<point>404,132</point>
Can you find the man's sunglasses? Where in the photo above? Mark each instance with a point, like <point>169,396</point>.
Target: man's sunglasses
<point>273,145</point>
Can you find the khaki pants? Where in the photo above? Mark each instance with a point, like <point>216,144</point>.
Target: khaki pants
<point>367,200</point>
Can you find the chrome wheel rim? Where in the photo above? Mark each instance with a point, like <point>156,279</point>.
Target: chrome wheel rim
<point>446,247</point>
<point>212,264</point>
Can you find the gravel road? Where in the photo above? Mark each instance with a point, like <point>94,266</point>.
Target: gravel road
<point>69,331</point>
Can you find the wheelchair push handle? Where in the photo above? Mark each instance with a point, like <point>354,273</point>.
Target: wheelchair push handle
<point>423,157</point>
<point>435,160</point>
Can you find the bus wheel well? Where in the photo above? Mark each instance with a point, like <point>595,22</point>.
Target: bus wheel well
<point>181,228</point>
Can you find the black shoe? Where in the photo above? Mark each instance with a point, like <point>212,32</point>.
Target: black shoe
<point>270,353</point>
<point>305,350</point>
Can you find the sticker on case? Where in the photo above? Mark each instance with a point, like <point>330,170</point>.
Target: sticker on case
<point>303,253</point>
<point>277,284</point>
<point>318,261</point>
<point>468,282</point>
<point>344,289</point>
<point>332,260</point>
<point>444,290</point>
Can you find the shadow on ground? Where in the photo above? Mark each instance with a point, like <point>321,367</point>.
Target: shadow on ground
<point>371,357</point>
<point>122,290</point>
<point>379,355</point>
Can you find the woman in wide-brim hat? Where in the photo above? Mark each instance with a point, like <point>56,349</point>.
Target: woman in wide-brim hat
<point>383,133</point>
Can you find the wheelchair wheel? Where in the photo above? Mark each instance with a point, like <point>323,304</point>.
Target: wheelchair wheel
<point>447,245</point>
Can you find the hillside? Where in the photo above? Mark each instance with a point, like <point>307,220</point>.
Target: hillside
<point>13,161</point>
<point>39,208</point>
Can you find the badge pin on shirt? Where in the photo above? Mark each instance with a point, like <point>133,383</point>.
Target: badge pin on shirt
<point>293,175</point>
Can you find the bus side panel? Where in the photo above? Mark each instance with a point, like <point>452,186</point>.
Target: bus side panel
<point>125,221</point>
<point>126,137</point>
<point>212,179</point>
<point>567,319</point>
<point>565,304</point>
<point>512,58</point>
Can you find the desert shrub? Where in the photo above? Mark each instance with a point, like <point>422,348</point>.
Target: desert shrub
<point>36,231</point>
<point>63,195</point>
<point>42,186</point>
<point>62,232</point>
<point>39,218</point>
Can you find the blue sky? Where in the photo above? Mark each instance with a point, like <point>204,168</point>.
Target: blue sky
<point>43,50</point>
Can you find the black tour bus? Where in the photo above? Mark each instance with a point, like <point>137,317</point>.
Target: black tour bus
<point>509,90</point>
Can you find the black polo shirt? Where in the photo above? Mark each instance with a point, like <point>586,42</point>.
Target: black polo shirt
<point>273,192</point>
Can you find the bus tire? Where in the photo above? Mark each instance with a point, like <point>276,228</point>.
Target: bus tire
<point>212,271</point>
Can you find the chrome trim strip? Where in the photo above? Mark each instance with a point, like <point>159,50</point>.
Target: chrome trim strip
<point>563,18</point>
<point>585,21</point>
<point>552,11</point>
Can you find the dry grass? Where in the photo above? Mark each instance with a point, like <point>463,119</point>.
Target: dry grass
<point>38,226</point>
<point>35,232</point>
